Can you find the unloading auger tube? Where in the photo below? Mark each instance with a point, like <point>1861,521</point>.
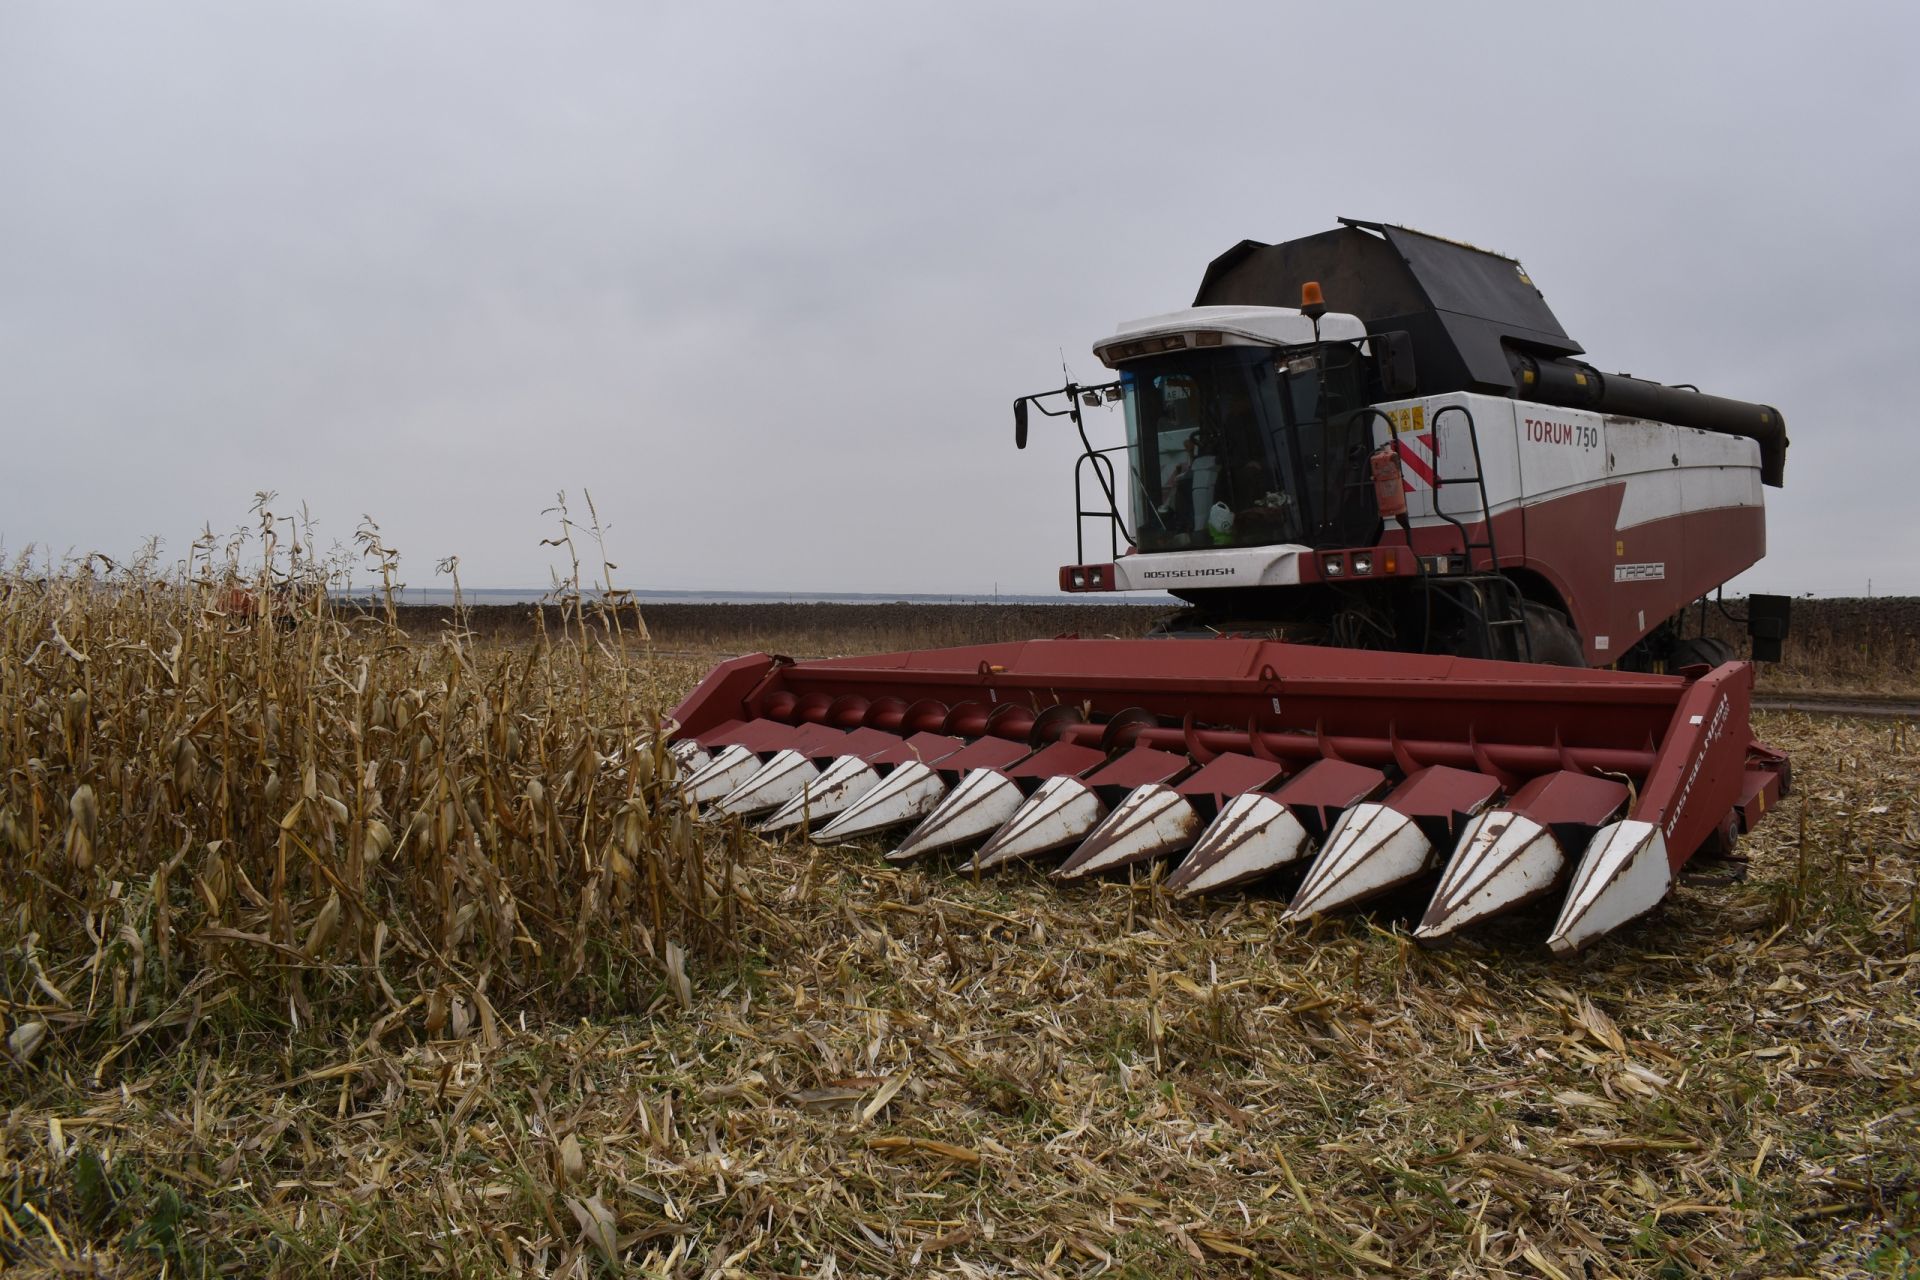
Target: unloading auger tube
<point>1355,774</point>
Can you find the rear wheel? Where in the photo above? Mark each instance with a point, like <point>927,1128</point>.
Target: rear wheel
<point>1551,638</point>
<point>1699,651</point>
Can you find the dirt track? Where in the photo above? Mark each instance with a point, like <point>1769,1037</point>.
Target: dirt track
<point>1840,704</point>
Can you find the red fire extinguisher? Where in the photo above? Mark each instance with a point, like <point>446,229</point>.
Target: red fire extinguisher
<point>1389,490</point>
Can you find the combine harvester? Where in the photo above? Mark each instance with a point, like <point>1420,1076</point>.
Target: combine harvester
<point>1406,531</point>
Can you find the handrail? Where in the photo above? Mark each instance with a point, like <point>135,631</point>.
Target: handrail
<point>1478,478</point>
<point>1105,473</point>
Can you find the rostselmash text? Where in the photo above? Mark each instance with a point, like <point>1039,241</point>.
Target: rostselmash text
<point>1187,573</point>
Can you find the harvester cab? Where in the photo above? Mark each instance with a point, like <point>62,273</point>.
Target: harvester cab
<point>1411,461</point>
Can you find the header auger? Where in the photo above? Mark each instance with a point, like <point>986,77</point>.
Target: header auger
<point>1460,518</point>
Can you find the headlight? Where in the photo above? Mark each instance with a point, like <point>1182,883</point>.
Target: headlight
<point>1332,566</point>
<point>1078,578</point>
<point>1363,563</point>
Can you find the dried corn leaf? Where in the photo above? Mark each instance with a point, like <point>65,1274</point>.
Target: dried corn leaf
<point>928,1146</point>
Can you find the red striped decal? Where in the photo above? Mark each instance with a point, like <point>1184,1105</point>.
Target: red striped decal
<point>1415,463</point>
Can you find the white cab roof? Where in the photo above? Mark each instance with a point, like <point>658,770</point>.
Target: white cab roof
<point>1263,326</point>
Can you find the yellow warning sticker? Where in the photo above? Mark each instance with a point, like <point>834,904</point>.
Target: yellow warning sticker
<point>1411,418</point>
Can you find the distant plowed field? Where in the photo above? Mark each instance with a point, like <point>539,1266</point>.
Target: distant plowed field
<point>1854,644</point>
<point>820,629</point>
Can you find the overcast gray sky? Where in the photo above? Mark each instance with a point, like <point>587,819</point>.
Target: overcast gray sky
<point>766,278</point>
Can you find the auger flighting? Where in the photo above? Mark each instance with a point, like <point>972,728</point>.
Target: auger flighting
<point>1409,535</point>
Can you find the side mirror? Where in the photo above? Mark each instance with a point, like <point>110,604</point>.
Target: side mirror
<point>1020,423</point>
<point>1768,619</point>
<point>1393,363</point>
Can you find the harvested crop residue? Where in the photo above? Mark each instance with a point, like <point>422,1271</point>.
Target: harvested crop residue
<point>909,1072</point>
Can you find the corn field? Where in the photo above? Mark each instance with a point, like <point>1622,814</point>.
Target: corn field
<point>208,802</point>
<point>332,948</point>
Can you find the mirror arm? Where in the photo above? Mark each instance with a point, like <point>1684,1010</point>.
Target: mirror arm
<point>1072,391</point>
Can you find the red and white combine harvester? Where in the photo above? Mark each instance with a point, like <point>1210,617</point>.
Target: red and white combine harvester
<point>1408,524</point>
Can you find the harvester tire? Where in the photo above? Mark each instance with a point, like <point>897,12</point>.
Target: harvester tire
<point>1699,651</point>
<point>1551,639</point>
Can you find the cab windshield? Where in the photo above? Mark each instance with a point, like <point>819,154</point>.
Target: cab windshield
<point>1231,448</point>
<point>1210,438</point>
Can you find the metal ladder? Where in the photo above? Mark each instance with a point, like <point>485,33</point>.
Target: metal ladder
<point>1488,595</point>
